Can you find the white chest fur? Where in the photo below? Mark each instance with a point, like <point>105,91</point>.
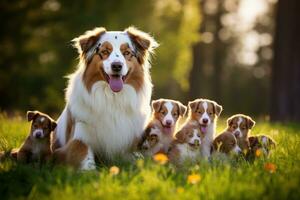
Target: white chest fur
<point>108,122</point>
<point>188,154</point>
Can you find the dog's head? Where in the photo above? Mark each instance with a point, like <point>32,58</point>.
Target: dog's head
<point>167,112</point>
<point>205,112</point>
<point>226,143</point>
<point>261,143</point>
<point>116,57</point>
<point>150,138</point>
<point>240,125</point>
<point>190,135</point>
<point>41,124</point>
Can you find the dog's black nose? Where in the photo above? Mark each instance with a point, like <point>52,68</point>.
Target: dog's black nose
<point>205,120</point>
<point>116,66</point>
<point>38,135</point>
<point>168,122</point>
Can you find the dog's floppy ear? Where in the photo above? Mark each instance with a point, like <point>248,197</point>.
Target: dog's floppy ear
<point>218,108</point>
<point>182,108</point>
<point>180,136</point>
<point>53,125</point>
<point>192,106</point>
<point>230,120</point>
<point>84,42</point>
<point>143,43</point>
<point>32,114</point>
<point>156,104</point>
<point>250,122</point>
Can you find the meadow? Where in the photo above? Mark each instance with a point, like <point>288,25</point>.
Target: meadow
<point>277,177</point>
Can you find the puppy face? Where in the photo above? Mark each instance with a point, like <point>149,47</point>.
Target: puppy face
<point>226,143</point>
<point>204,112</point>
<point>150,138</point>
<point>167,111</point>
<point>190,136</point>
<point>240,125</point>
<point>42,125</point>
<point>262,143</point>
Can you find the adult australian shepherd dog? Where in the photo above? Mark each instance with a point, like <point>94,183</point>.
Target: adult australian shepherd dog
<point>107,97</point>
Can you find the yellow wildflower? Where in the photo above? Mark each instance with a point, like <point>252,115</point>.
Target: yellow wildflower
<point>258,153</point>
<point>193,178</point>
<point>160,158</point>
<point>114,170</point>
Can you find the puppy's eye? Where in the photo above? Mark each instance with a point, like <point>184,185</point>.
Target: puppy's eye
<point>126,53</point>
<point>198,135</point>
<point>175,114</point>
<point>243,128</point>
<point>163,112</point>
<point>210,113</point>
<point>190,135</point>
<point>200,112</point>
<point>105,52</point>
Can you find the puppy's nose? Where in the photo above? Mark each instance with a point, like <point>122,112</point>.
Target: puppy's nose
<point>168,122</point>
<point>237,134</point>
<point>205,120</point>
<point>116,66</point>
<point>38,134</point>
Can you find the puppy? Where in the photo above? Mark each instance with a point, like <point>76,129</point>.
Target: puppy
<point>151,141</point>
<point>260,143</point>
<point>186,145</point>
<point>165,115</point>
<point>240,126</point>
<point>37,145</point>
<point>204,113</point>
<point>226,143</point>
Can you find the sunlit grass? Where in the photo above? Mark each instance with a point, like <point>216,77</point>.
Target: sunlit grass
<point>275,178</point>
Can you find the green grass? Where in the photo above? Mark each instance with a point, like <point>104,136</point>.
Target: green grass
<point>149,180</point>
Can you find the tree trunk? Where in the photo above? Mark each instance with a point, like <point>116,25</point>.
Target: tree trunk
<point>285,92</point>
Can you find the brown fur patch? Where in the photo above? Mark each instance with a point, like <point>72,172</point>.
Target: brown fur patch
<point>71,154</point>
<point>224,142</point>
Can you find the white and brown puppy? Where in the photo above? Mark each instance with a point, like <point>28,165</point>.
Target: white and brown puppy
<point>226,143</point>
<point>165,115</point>
<point>186,146</point>
<point>262,143</point>
<point>204,114</point>
<point>150,143</point>
<point>37,145</point>
<point>240,126</point>
<point>108,97</point>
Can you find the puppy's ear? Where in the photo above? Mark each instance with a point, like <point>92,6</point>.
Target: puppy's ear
<point>84,42</point>
<point>230,120</point>
<point>143,43</point>
<point>181,108</point>
<point>180,136</point>
<point>156,105</point>
<point>53,125</point>
<point>218,109</point>
<point>192,106</point>
<point>32,115</point>
<point>250,122</point>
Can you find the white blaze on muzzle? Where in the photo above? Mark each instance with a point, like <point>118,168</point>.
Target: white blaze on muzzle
<point>38,133</point>
<point>237,131</point>
<point>168,120</point>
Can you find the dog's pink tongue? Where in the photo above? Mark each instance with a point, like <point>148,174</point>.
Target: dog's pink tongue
<point>167,130</point>
<point>203,129</point>
<point>115,83</point>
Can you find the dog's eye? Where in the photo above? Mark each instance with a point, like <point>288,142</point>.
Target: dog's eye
<point>198,135</point>
<point>200,112</point>
<point>210,113</point>
<point>190,135</point>
<point>243,128</point>
<point>175,114</point>
<point>105,52</point>
<point>163,112</point>
<point>126,53</point>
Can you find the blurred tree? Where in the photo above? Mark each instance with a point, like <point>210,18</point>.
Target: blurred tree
<point>285,101</point>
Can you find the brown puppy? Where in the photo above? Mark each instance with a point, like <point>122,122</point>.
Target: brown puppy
<point>226,143</point>
<point>204,113</point>
<point>260,144</point>
<point>37,145</point>
<point>165,115</point>
<point>240,125</point>
<point>151,141</point>
<point>186,146</point>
